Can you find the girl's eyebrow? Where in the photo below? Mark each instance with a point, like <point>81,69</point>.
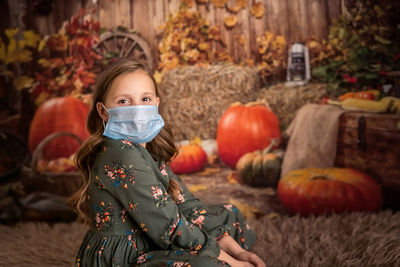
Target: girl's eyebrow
<point>118,96</point>
<point>148,93</point>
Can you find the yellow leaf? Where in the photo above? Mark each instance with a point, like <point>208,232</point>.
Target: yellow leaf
<point>25,56</point>
<point>189,3</point>
<point>257,10</point>
<point>12,53</point>
<point>248,211</point>
<point>249,62</point>
<point>157,76</point>
<point>195,188</point>
<point>10,33</point>
<point>313,44</point>
<point>44,62</point>
<point>219,3</point>
<point>203,46</point>
<point>196,140</point>
<point>233,9</point>
<point>233,178</point>
<point>31,38</point>
<point>42,44</point>
<point>21,44</point>
<point>242,3</point>
<point>242,39</point>
<point>273,215</point>
<point>41,98</point>
<point>3,54</point>
<point>22,82</point>
<point>230,21</point>
<point>208,171</point>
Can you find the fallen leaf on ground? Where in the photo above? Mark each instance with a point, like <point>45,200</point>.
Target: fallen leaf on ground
<point>248,211</point>
<point>273,215</point>
<point>208,171</point>
<point>233,178</point>
<point>198,187</point>
<point>270,191</point>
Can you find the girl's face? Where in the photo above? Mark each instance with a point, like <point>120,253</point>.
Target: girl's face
<point>130,89</point>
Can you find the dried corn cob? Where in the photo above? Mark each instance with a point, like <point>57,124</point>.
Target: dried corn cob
<point>381,106</point>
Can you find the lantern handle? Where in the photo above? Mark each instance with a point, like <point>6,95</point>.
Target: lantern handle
<point>38,151</point>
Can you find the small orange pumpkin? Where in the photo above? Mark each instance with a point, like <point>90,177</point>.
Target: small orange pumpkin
<point>190,158</point>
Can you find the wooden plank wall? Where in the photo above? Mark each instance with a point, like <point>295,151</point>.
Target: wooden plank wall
<point>296,20</point>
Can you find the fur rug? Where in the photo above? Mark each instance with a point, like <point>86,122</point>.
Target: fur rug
<point>356,239</point>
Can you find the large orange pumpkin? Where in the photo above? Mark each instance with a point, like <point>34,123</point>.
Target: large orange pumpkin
<point>190,158</point>
<point>326,190</point>
<point>62,114</point>
<point>245,128</point>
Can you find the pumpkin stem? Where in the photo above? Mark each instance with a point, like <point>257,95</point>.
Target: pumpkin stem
<point>261,102</point>
<point>274,141</point>
<point>234,104</point>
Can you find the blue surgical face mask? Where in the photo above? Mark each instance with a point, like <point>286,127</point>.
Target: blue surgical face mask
<point>139,124</point>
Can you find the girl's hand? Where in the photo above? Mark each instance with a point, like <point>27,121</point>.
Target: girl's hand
<point>250,257</point>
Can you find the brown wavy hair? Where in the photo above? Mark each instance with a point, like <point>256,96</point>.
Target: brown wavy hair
<point>161,147</point>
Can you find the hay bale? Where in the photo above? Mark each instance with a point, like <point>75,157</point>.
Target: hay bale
<point>285,101</point>
<point>194,98</point>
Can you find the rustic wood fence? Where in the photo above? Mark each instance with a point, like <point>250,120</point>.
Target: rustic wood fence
<point>296,20</point>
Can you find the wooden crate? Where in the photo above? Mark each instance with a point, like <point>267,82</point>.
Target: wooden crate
<point>371,143</point>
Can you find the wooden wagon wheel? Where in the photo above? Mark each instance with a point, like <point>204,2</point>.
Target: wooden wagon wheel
<point>123,45</point>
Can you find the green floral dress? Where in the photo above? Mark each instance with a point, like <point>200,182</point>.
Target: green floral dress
<point>136,223</point>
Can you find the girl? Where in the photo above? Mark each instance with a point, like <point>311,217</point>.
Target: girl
<point>139,212</point>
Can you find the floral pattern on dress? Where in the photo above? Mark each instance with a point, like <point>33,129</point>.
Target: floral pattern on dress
<point>103,216</point>
<point>124,215</point>
<point>238,227</point>
<point>224,231</point>
<point>99,184</point>
<point>195,245</point>
<point>143,258</point>
<point>180,198</point>
<point>120,174</point>
<point>222,263</point>
<point>100,252</point>
<point>173,263</point>
<point>163,169</point>
<point>143,226</point>
<point>197,216</point>
<point>230,207</point>
<point>159,195</point>
<point>127,144</point>
<point>130,235</point>
<point>146,192</point>
<point>170,229</point>
<point>132,205</point>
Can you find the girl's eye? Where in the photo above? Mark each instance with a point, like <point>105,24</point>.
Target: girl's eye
<point>123,101</point>
<point>146,99</point>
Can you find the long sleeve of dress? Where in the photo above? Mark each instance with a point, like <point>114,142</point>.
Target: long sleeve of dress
<point>218,220</point>
<point>130,178</point>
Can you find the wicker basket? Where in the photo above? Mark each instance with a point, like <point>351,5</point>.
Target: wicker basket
<point>62,184</point>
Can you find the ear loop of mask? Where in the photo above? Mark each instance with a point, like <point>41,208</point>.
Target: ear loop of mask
<point>104,124</point>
